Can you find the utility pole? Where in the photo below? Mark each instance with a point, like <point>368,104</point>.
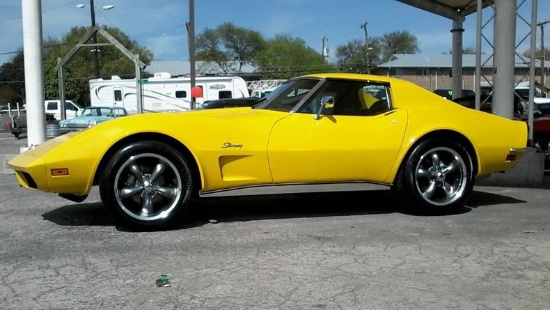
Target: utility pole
<point>542,74</point>
<point>95,50</point>
<point>192,47</point>
<point>324,47</point>
<point>364,26</point>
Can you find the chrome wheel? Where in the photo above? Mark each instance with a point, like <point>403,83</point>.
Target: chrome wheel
<point>147,187</point>
<point>436,177</point>
<point>441,176</point>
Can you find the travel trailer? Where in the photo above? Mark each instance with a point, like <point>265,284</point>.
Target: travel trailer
<point>164,93</point>
<point>261,88</point>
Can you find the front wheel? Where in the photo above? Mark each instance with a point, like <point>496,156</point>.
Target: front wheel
<point>146,185</point>
<point>436,177</point>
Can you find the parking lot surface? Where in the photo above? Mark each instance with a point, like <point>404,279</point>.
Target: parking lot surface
<point>347,250</point>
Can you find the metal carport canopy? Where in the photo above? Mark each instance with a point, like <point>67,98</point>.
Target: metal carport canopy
<point>448,8</point>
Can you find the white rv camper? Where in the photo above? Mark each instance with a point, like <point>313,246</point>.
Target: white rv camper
<point>163,93</point>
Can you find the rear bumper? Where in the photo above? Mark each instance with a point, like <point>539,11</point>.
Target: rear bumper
<point>523,150</point>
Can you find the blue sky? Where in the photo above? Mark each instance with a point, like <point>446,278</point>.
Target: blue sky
<point>159,25</point>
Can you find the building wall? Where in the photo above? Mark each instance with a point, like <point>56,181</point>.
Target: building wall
<point>440,78</point>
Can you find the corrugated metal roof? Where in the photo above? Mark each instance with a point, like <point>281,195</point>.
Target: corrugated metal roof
<point>445,61</point>
<point>183,67</point>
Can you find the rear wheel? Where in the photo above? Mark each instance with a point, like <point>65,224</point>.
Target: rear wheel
<point>436,177</point>
<point>146,185</point>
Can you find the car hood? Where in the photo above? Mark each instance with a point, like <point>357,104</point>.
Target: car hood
<point>203,131</point>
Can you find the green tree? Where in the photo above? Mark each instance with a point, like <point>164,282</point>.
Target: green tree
<point>210,48</point>
<point>349,56</point>
<point>352,56</point>
<point>72,87</point>
<point>285,57</point>
<point>466,50</point>
<point>228,46</point>
<point>398,42</point>
<point>12,77</point>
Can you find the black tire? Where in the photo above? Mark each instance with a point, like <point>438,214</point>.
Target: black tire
<point>436,177</point>
<point>147,185</point>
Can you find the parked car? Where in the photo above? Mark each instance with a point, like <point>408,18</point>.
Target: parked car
<point>314,129</point>
<point>486,104</point>
<point>229,103</point>
<point>544,108</point>
<point>91,116</point>
<point>448,93</point>
<point>523,90</point>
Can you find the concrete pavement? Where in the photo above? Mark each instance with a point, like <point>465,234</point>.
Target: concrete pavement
<point>321,251</point>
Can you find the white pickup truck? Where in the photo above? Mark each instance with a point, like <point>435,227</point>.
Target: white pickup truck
<point>53,106</point>
<point>15,120</point>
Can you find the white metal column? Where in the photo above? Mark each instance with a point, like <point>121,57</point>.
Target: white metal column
<point>34,72</point>
<point>457,32</point>
<point>504,54</point>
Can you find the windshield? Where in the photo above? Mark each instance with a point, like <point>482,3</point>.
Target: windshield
<point>285,97</point>
<point>524,93</point>
<point>96,111</point>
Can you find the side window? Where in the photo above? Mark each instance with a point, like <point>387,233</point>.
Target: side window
<point>69,106</point>
<point>52,105</point>
<point>376,99</point>
<point>118,95</point>
<point>340,91</point>
<point>223,94</point>
<point>350,98</point>
<point>181,94</point>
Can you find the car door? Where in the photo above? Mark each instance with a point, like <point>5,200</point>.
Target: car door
<point>345,144</point>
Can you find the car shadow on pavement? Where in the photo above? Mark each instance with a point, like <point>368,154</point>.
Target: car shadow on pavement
<point>484,199</point>
<point>250,208</point>
<point>83,214</point>
<point>245,208</point>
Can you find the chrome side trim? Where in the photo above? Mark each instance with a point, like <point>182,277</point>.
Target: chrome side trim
<point>523,150</point>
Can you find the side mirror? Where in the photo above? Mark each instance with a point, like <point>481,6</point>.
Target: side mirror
<point>327,102</point>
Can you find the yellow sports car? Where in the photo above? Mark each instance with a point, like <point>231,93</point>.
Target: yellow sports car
<point>315,129</point>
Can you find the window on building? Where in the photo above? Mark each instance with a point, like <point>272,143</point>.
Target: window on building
<point>422,71</point>
<point>397,71</point>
